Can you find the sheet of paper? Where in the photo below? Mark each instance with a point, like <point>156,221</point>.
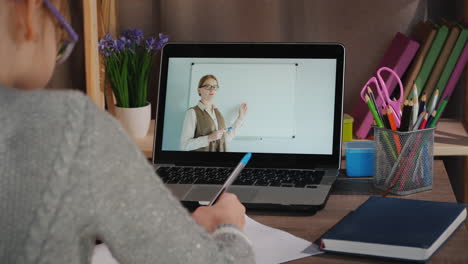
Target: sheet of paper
<point>270,246</point>
<point>102,255</point>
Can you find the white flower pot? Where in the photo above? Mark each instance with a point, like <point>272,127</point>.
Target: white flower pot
<point>136,121</point>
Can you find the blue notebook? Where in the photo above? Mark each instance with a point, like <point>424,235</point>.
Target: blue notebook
<point>395,228</point>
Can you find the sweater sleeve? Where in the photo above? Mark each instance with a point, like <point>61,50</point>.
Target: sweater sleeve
<point>136,215</point>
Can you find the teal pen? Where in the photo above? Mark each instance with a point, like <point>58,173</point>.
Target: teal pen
<point>232,177</point>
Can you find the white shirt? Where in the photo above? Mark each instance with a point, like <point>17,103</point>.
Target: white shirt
<point>187,140</point>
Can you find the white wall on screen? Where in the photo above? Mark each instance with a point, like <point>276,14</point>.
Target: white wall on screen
<point>267,89</point>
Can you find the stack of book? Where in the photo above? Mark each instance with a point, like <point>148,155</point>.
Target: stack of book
<point>433,67</point>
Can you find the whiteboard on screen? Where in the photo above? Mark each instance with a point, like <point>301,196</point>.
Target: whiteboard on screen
<point>267,89</point>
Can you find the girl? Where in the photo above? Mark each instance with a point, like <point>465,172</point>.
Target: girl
<point>69,175</point>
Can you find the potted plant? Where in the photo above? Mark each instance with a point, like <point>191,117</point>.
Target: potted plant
<point>128,61</point>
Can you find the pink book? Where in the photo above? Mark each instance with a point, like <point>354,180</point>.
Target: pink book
<point>397,57</point>
<point>456,74</point>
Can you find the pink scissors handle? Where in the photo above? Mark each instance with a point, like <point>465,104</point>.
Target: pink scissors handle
<point>380,101</point>
<point>383,90</point>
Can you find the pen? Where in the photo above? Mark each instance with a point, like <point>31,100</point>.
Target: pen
<point>227,129</point>
<point>232,177</point>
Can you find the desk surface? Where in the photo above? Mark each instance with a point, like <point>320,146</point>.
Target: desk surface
<point>455,250</point>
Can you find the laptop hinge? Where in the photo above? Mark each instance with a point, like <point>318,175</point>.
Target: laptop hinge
<point>165,165</point>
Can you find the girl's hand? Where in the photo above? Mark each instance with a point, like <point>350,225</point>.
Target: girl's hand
<point>227,210</point>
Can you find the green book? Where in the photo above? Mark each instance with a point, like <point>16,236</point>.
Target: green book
<point>452,60</point>
<point>431,58</point>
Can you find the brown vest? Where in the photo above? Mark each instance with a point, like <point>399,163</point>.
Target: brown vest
<point>205,126</point>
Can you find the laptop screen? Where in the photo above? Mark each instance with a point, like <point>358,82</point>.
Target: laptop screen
<point>274,105</point>
<point>282,102</point>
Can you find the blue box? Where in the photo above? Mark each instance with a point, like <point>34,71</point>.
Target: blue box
<point>359,158</point>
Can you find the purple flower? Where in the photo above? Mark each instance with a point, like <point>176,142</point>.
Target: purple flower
<point>133,35</point>
<point>131,41</point>
<point>150,44</point>
<point>121,45</point>
<point>162,40</point>
<point>107,46</point>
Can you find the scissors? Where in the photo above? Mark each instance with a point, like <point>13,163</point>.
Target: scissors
<point>383,94</point>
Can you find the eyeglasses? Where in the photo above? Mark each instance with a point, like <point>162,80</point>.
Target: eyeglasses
<point>210,87</point>
<point>65,46</point>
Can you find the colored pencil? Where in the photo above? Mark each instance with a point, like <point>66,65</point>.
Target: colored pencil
<point>374,112</point>
<point>418,122</point>
<point>433,101</point>
<point>439,113</point>
<point>409,122</point>
<point>374,102</point>
<point>424,121</point>
<point>404,116</point>
<point>431,117</point>
<point>391,119</point>
<point>385,118</point>
<point>422,105</point>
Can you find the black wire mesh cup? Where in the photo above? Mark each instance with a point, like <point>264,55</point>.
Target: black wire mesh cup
<point>403,161</point>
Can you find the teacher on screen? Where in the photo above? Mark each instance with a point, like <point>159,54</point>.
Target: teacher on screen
<point>204,127</point>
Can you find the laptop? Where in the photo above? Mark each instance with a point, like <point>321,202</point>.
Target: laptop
<point>291,100</point>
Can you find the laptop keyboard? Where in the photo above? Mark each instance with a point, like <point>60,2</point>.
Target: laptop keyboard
<point>249,176</point>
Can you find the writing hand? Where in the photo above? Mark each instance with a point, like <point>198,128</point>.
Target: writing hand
<point>227,210</point>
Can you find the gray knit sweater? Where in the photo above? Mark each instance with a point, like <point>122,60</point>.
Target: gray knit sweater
<point>69,175</point>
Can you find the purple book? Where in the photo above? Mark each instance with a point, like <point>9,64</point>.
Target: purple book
<point>397,57</point>
<point>456,74</point>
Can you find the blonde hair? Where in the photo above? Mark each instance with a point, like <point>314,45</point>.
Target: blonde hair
<point>204,79</point>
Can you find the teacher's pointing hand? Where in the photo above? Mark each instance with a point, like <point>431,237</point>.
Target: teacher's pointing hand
<point>242,111</point>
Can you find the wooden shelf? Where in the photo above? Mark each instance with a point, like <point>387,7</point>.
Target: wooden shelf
<point>451,139</point>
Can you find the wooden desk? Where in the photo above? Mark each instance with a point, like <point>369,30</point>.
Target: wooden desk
<point>455,250</point>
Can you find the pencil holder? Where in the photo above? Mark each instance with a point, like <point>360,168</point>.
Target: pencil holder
<point>403,160</point>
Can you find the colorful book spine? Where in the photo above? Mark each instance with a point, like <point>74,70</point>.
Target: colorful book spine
<point>439,66</point>
<point>425,34</point>
<point>430,59</point>
<point>450,65</point>
<point>397,57</point>
<point>456,74</point>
